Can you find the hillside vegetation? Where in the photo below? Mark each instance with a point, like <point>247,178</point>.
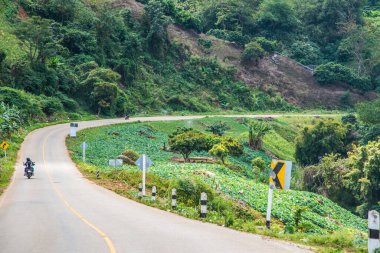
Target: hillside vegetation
<point>117,57</point>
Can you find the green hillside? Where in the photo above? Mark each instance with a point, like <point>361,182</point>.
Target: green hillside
<point>117,57</point>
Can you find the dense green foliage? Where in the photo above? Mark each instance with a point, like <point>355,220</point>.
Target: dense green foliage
<point>332,73</point>
<point>352,182</point>
<point>312,32</point>
<point>325,137</point>
<point>113,63</point>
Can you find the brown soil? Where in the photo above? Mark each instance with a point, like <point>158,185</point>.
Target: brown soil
<point>278,74</point>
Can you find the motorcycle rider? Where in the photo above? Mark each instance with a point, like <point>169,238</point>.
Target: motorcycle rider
<point>28,165</point>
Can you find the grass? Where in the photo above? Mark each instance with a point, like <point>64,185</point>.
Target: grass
<point>323,222</point>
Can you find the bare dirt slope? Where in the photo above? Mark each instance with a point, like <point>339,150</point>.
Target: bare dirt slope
<point>276,73</point>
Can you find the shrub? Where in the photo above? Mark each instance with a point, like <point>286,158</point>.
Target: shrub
<point>349,119</point>
<point>218,128</point>
<point>307,53</point>
<point>205,43</point>
<point>252,52</point>
<point>325,137</point>
<point>130,156</point>
<point>189,191</point>
<point>260,169</point>
<point>233,36</point>
<point>332,73</point>
<point>369,112</point>
<point>68,103</point>
<point>51,105</point>
<point>268,45</point>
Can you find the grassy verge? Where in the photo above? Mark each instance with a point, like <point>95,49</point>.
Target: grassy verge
<point>222,209</point>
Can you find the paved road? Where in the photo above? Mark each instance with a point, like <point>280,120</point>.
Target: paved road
<point>60,211</point>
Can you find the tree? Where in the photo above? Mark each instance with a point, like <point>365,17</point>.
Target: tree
<point>225,147</point>
<point>369,112</point>
<point>218,128</point>
<point>325,137</point>
<point>104,96</point>
<point>363,178</point>
<point>220,151</point>
<point>277,18</point>
<point>188,142</point>
<point>37,39</point>
<point>157,22</point>
<point>256,133</point>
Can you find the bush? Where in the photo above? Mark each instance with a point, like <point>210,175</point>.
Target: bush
<point>51,105</point>
<point>369,112</point>
<point>307,53</point>
<point>28,104</point>
<point>268,45</point>
<point>130,156</point>
<point>349,119</point>
<point>68,103</point>
<point>252,52</point>
<point>260,169</point>
<point>332,73</point>
<point>205,43</point>
<point>189,191</point>
<point>233,36</point>
<point>325,137</point>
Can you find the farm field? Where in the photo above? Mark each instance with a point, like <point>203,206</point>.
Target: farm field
<point>241,189</point>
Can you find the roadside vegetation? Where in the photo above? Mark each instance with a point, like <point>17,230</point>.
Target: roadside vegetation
<point>195,156</point>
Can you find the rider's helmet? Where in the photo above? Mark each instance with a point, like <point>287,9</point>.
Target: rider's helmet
<point>28,159</point>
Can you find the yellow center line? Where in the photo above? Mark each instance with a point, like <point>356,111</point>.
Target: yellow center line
<point>107,240</point>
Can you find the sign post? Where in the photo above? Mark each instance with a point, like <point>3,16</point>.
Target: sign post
<point>144,163</point>
<point>84,147</point>
<point>373,227</point>
<point>279,178</point>
<point>4,145</point>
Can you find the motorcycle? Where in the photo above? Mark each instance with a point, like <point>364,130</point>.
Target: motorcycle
<point>29,170</point>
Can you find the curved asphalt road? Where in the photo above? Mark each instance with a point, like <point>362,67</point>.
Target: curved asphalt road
<point>60,211</point>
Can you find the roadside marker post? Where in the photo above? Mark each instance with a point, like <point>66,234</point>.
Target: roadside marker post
<point>140,189</point>
<point>84,147</point>
<point>143,163</point>
<point>97,174</point>
<point>174,198</point>
<point>279,178</point>
<point>154,191</point>
<point>269,207</point>
<point>373,233</point>
<point>73,129</point>
<point>203,205</point>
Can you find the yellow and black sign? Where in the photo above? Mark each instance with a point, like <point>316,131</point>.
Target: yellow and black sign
<point>4,145</point>
<point>280,174</point>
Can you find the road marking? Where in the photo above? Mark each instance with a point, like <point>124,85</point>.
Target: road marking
<point>108,241</point>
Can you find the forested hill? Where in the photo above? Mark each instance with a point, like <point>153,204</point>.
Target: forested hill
<point>113,57</point>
